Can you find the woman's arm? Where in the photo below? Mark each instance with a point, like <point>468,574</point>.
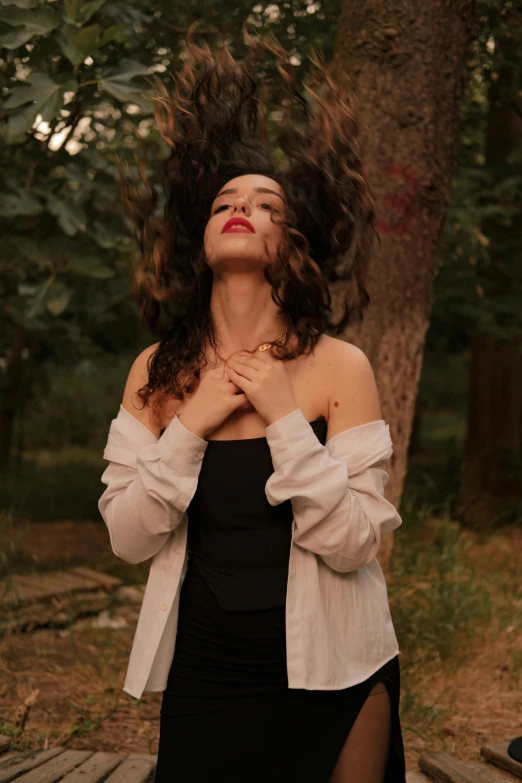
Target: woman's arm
<point>150,480</point>
<point>337,490</point>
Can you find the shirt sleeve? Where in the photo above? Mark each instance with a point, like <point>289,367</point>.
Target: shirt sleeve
<point>150,483</point>
<point>336,490</point>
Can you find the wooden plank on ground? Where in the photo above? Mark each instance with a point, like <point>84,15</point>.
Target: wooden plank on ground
<point>26,588</point>
<point>443,768</point>
<point>26,580</point>
<point>33,615</point>
<point>54,769</point>
<point>78,766</point>
<point>65,580</point>
<point>96,768</point>
<point>496,753</point>
<point>56,582</point>
<point>97,576</point>
<point>135,769</point>
<point>44,586</point>
<point>13,766</point>
<point>54,596</point>
<point>19,589</point>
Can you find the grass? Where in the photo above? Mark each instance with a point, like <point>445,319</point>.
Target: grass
<point>436,594</point>
<point>62,485</point>
<point>13,533</point>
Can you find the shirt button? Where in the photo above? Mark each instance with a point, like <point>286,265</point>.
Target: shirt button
<point>163,607</point>
<point>201,454</point>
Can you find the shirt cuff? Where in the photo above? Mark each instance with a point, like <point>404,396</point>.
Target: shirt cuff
<point>289,437</point>
<point>181,449</point>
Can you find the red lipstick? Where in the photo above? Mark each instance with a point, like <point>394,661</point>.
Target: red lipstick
<point>235,222</point>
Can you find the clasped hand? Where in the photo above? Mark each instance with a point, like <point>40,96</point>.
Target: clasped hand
<point>265,382</point>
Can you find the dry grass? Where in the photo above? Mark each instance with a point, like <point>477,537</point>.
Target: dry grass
<point>76,678</point>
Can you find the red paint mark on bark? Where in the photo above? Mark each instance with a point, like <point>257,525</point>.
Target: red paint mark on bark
<point>400,203</point>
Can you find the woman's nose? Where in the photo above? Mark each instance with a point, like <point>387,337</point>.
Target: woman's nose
<point>242,204</point>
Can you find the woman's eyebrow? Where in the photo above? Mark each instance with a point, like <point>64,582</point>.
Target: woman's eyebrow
<point>257,190</point>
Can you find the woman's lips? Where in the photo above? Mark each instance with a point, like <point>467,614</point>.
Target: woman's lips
<point>236,225</point>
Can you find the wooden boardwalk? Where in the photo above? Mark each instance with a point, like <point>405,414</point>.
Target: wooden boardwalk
<point>496,767</point>
<point>31,600</point>
<point>88,766</point>
<point>76,766</point>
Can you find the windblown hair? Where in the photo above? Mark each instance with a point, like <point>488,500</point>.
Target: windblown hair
<point>217,129</point>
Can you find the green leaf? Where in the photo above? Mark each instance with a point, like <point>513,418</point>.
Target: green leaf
<point>103,236</point>
<point>77,45</point>
<point>22,121</point>
<point>20,3</point>
<point>36,304</point>
<point>14,309</point>
<point>78,12</point>
<point>117,82</point>
<point>32,252</point>
<point>20,203</point>
<point>44,96</point>
<point>90,267</point>
<point>107,237</point>
<point>112,33</point>
<point>26,289</point>
<point>57,298</point>
<point>71,217</point>
<point>39,21</point>
<point>14,39</point>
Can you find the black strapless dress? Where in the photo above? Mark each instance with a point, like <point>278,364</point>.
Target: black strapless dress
<point>227,714</point>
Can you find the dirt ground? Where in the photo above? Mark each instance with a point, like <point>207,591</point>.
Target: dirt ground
<point>64,686</point>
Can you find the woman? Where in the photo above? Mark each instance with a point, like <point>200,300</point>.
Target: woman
<point>247,456</point>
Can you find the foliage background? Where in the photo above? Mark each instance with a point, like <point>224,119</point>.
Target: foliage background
<point>76,82</point>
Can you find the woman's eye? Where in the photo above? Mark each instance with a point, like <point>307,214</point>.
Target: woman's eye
<point>264,205</point>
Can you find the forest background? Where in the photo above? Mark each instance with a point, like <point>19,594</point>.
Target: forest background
<point>440,94</point>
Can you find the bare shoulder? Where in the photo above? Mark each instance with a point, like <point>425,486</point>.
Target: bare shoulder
<point>353,394</point>
<point>138,377</point>
<point>336,350</point>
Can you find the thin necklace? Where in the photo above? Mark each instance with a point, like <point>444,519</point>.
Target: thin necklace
<point>267,346</point>
<point>262,347</point>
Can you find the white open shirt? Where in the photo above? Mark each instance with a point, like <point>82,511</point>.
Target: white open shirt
<point>339,629</point>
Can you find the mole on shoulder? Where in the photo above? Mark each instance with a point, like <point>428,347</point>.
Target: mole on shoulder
<point>336,403</point>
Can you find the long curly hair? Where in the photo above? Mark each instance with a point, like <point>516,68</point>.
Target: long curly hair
<point>217,129</point>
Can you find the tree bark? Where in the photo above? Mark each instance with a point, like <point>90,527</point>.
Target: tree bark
<point>490,482</point>
<point>406,62</point>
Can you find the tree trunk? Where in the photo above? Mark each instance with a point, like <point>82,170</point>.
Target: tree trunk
<point>490,484</point>
<point>10,392</point>
<point>406,61</point>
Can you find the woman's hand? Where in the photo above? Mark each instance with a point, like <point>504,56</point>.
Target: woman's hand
<point>265,381</point>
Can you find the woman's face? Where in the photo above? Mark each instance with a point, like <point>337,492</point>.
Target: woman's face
<point>240,231</point>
